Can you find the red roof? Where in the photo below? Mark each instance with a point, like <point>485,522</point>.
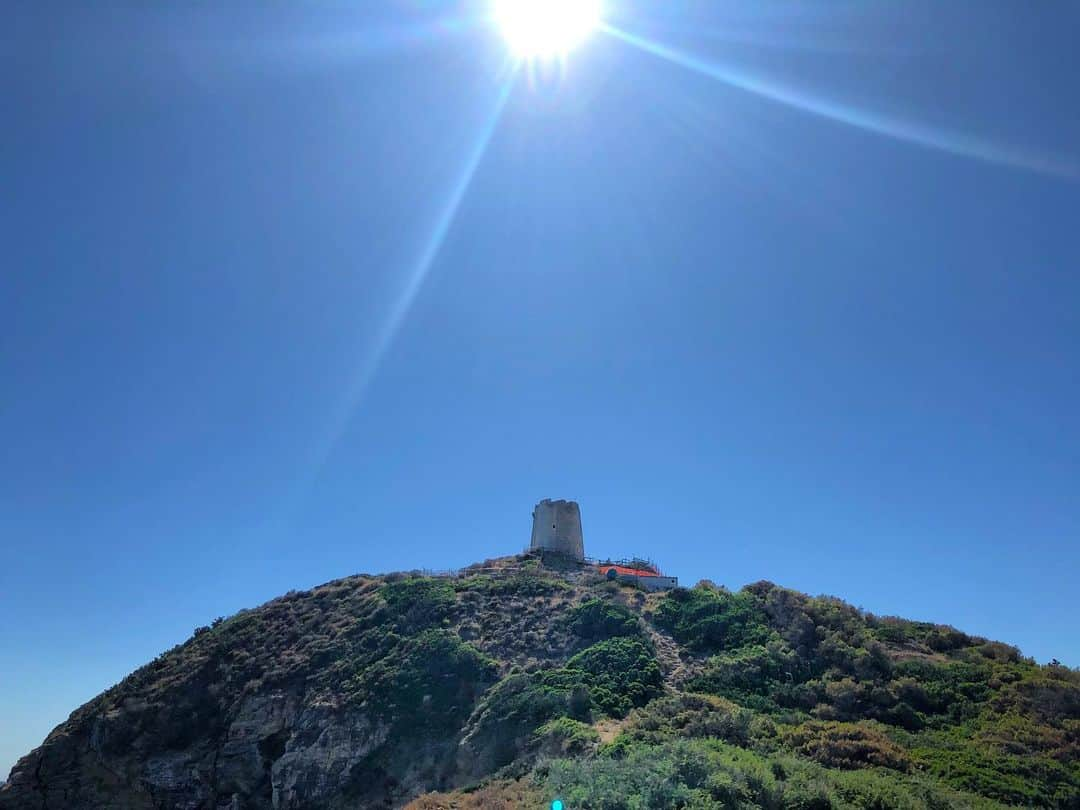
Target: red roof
<point>623,569</point>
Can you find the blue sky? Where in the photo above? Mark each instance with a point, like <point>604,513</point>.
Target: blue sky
<point>775,290</point>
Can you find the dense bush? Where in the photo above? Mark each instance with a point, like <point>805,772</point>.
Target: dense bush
<point>430,681</point>
<point>972,713</point>
<point>419,602</point>
<point>753,670</point>
<point>611,677</point>
<point>598,619</point>
<point>1029,781</point>
<point>565,736</point>
<point>644,778</point>
<point>620,673</point>
<point>520,583</point>
<point>1051,693</point>
<point>711,619</point>
<point>702,774</point>
<point>689,716</point>
<point>846,745</point>
<point>936,637</point>
<point>509,716</point>
<point>955,688</point>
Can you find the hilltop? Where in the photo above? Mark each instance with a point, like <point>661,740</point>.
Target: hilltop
<point>515,682</point>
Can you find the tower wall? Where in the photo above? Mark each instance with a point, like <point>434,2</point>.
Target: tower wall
<point>557,527</point>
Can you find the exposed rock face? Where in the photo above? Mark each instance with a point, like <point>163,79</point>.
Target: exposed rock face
<point>322,749</point>
<point>322,699</point>
<point>274,752</point>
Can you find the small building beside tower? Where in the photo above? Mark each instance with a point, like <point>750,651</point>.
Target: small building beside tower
<point>556,529</point>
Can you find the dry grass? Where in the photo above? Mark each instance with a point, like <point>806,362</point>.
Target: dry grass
<point>495,796</point>
<point>609,728</point>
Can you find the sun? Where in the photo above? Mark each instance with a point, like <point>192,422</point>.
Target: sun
<point>546,29</point>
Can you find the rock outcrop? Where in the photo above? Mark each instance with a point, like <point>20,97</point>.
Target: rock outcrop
<point>319,699</point>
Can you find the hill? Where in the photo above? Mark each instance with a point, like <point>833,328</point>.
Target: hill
<point>514,683</point>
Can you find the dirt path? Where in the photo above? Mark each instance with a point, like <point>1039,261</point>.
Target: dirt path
<point>672,664</point>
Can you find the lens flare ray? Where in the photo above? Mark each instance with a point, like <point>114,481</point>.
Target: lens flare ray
<point>414,282</point>
<point>953,143</point>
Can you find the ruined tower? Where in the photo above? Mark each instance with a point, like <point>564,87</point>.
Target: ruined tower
<point>557,527</point>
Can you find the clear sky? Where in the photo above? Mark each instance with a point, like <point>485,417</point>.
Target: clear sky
<point>775,290</point>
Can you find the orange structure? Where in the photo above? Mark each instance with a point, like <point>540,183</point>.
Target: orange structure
<point>630,569</point>
<point>642,573</point>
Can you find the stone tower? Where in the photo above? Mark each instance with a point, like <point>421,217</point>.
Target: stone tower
<point>557,527</point>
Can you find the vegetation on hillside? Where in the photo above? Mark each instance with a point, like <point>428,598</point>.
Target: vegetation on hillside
<point>794,701</point>
<point>536,683</point>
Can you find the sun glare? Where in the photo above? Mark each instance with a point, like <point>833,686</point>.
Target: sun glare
<point>546,29</point>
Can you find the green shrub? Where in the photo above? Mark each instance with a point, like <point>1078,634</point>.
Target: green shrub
<point>565,736</point>
<point>1050,693</point>
<point>642,780</point>
<point>428,681</point>
<point>708,619</point>
<point>955,687</point>
<point>846,745</point>
<point>621,673</point>
<point>756,669</point>
<point>701,774</point>
<point>509,716</point>
<point>418,603</point>
<point>1030,780</point>
<point>529,582</point>
<point>598,619</point>
<point>689,716</point>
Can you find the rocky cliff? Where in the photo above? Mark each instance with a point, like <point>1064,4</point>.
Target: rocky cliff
<point>518,683</point>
